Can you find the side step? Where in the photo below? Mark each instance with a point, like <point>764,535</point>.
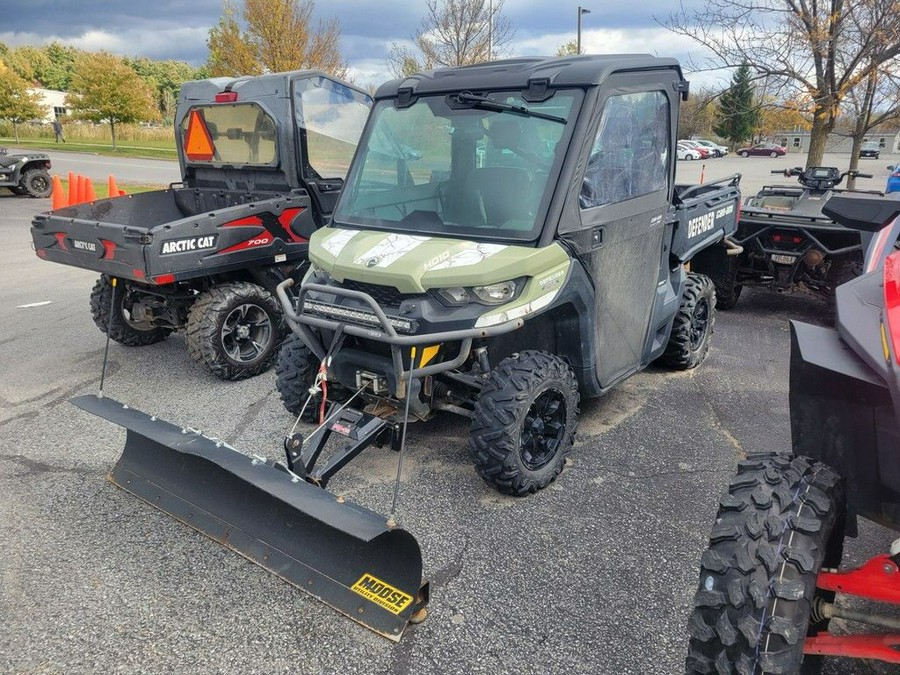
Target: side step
<point>339,552</point>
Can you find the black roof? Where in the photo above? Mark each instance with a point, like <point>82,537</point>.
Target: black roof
<point>562,71</point>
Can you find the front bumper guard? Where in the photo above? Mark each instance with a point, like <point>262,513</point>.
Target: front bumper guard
<point>383,331</point>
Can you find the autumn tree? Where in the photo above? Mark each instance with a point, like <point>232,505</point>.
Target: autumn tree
<point>780,117</point>
<point>455,33</point>
<point>872,103</point>
<point>28,62</point>
<point>279,35</point>
<point>737,116</point>
<point>58,73</point>
<point>570,48</point>
<point>821,49</point>
<point>105,89</point>
<point>697,115</point>
<point>17,102</point>
<point>165,79</point>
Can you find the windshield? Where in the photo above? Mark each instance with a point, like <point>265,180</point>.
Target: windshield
<point>463,165</point>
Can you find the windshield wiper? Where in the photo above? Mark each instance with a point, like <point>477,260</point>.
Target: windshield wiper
<point>500,106</point>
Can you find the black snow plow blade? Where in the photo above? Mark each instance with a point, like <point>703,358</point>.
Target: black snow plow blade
<point>339,552</point>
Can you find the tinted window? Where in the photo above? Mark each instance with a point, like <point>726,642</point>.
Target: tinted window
<point>630,155</point>
<point>238,134</point>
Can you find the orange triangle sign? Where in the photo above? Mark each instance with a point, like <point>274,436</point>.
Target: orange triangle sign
<point>198,145</point>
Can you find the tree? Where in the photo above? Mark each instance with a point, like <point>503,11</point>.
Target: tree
<point>697,115</point>
<point>455,33</point>
<point>17,102</point>
<point>58,73</point>
<point>105,89</point>
<point>279,36</point>
<point>820,49</point>
<point>874,102</point>
<point>29,63</point>
<point>737,115</point>
<point>570,48</point>
<point>780,116</point>
<point>165,79</point>
<point>229,53</point>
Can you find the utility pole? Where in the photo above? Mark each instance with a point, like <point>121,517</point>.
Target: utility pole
<point>581,11</point>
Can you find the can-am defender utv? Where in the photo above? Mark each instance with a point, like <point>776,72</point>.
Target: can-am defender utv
<point>784,242</point>
<point>768,581</point>
<point>262,162</point>
<point>510,238</point>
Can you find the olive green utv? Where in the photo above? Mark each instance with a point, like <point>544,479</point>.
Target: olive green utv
<point>509,239</point>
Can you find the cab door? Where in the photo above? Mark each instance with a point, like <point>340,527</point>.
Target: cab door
<point>624,199</point>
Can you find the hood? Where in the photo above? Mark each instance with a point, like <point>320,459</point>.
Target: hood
<point>415,263</point>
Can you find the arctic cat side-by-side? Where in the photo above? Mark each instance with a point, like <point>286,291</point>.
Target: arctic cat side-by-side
<point>769,579</point>
<point>509,240</point>
<point>27,174</point>
<point>784,242</point>
<point>262,162</point>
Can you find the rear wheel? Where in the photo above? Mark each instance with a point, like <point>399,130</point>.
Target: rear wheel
<point>779,524</point>
<point>745,154</point>
<point>234,330</point>
<point>693,325</point>
<point>36,182</point>
<point>122,325</point>
<point>524,422</point>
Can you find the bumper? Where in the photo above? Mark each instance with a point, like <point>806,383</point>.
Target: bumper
<point>379,327</point>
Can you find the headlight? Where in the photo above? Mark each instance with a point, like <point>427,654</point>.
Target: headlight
<point>490,294</point>
<point>454,296</point>
<point>495,294</point>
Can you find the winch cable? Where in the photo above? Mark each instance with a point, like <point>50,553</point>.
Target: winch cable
<point>320,385</point>
<point>112,306</point>
<point>392,519</point>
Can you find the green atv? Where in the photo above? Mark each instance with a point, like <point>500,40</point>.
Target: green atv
<point>509,240</point>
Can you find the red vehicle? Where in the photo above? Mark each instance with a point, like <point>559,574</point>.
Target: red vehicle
<point>769,579</point>
<point>763,150</point>
<point>704,151</point>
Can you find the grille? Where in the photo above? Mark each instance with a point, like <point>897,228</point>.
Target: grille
<point>384,295</point>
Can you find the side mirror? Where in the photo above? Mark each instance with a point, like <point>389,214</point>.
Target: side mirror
<point>891,167</point>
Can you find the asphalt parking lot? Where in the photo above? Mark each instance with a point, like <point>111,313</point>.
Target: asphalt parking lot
<point>596,574</point>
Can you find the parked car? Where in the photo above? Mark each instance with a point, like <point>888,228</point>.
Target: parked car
<point>763,150</point>
<point>893,181</point>
<point>687,152</point>
<point>870,149</point>
<point>715,149</point>
<point>704,152</point>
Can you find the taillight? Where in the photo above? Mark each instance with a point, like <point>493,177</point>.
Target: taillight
<point>892,300</point>
<point>226,97</point>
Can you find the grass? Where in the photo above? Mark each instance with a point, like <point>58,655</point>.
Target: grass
<point>101,188</point>
<point>132,140</point>
<point>148,149</point>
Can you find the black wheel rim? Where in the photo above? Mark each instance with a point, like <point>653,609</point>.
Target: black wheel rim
<point>39,184</point>
<point>246,333</point>
<point>543,429</point>
<point>699,323</point>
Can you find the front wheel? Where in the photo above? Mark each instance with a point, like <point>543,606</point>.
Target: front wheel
<point>773,154</point>
<point>779,524</point>
<point>234,330</point>
<point>693,324</point>
<point>37,183</point>
<point>122,323</point>
<point>524,422</point>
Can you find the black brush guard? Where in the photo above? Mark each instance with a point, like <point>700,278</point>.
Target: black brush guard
<point>339,552</point>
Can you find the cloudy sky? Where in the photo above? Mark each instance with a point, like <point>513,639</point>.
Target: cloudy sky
<point>175,29</point>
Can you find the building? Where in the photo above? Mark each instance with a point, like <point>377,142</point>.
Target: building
<point>798,141</point>
<point>54,103</point>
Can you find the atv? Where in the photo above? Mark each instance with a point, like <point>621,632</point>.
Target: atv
<point>509,240</point>
<point>25,174</point>
<point>785,242</point>
<point>262,162</point>
<point>769,578</point>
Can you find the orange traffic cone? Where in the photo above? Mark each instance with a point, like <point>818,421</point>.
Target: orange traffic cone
<point>113,188</point>
<point>89,194</point>
<point>79,188</point>
<point>72,188</point>
<point>60,200</point>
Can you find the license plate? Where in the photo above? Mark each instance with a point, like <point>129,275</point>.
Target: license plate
<point>783,259</point>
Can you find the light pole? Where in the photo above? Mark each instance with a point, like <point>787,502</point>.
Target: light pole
<point>581,10</point>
